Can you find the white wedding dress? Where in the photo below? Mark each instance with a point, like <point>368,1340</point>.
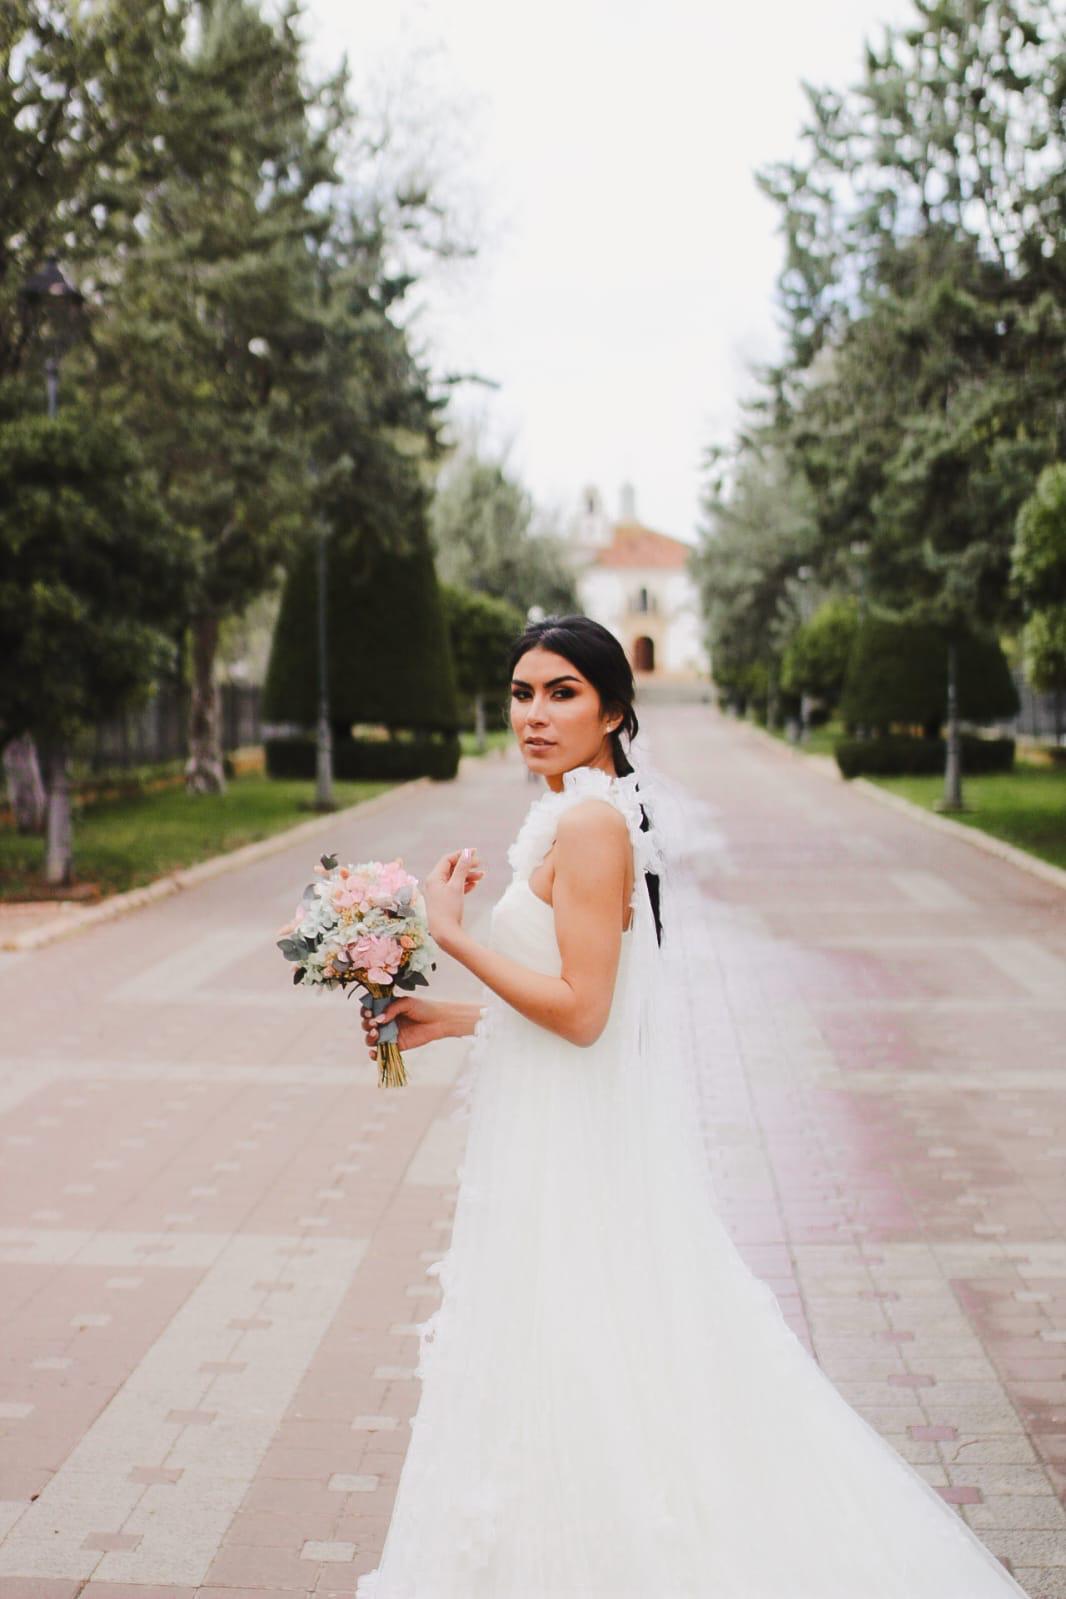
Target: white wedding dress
<point>613,1406</point>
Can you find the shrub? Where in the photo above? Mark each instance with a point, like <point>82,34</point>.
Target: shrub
<point>897,673</point>
<point>896,755</point>
<point>816,660</point>
<point>367,760</point>
<point>481,630</point>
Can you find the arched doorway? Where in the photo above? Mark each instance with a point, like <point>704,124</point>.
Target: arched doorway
<point>644,654</point>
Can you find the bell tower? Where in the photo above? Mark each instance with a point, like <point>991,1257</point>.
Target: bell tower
<point>592,530</point>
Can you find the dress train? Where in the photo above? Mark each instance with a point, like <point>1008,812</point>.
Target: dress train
<point>613,1405</point>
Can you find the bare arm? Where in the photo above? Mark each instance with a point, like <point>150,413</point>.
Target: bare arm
<point>591,857</point>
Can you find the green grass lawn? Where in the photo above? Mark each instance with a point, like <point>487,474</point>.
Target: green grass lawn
<point>1026,807</point>
<point>497,738</point>
<point>121,844</point>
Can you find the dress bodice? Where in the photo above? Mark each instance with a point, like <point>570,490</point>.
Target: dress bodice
<point>523,924</point>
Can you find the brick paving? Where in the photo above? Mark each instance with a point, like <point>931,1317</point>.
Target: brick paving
<point>215,1228</point>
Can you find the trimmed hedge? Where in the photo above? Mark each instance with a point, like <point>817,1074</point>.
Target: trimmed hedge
<point>896,755</point>
<point>367,760</point>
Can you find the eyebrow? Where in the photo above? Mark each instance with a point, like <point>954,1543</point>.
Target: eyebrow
<point>516,682</point>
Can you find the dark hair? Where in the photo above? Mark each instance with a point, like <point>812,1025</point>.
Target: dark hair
<point>598,656</point>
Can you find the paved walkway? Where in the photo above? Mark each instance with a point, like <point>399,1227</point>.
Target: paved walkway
<point>216,1228</point>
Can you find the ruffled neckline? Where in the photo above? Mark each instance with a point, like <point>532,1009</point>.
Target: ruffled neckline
<point>535,836</point>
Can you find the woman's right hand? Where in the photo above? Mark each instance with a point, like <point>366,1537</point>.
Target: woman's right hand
<point>420,1021</point>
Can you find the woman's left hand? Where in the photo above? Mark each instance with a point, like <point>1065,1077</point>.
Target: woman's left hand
<point>453,876</point>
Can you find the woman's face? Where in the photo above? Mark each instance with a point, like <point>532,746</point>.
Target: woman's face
<point>557,717</point>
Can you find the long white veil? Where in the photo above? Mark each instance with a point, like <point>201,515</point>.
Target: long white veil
<point>683,1001</point>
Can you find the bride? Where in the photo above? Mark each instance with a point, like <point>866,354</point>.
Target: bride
<point>612,1404</point>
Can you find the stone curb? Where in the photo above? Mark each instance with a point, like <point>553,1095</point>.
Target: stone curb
<point>987,842</point>
<point>974,836</point>
<point>202,872</point>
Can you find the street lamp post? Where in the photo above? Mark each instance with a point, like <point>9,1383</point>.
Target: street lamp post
<point>805,573</point>
<point>860,549</point>
<point>49,297</point>
<point>324,800</point>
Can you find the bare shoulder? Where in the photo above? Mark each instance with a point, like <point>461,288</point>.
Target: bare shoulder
<point>592,816</point>
<point>593,873</point>
<point>592,821</point>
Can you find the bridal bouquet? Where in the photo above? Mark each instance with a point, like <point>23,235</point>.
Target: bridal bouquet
<point>362,925</point>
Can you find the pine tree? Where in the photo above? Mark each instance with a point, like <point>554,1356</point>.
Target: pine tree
<point>86,99</point>
<point>925,291</point>
<point>1038,571</point>
<point>216,316</point>
<point>486,537</point>
<point>89,575</point>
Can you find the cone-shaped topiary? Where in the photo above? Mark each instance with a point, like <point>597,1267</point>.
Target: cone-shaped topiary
<point>389,656</point>
<point>897,675</point>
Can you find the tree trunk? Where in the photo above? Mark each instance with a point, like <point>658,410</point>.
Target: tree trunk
<point>952,800</point>
<point>25,788</point>
<point>58,855</point>
<point>204,773</point>
<point>479,721</point>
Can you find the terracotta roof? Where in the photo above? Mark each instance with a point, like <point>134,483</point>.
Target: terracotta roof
<point>634,545</point>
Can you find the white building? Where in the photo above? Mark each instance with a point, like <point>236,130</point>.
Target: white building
<point>636,582</point>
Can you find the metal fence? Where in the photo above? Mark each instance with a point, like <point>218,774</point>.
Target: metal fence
<point>158,731</point>
<point>1037,717</point>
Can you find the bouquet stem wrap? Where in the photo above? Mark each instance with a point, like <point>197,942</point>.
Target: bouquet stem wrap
<point>391,1071</point>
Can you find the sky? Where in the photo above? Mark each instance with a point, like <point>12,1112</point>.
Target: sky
<point>601,155</point>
